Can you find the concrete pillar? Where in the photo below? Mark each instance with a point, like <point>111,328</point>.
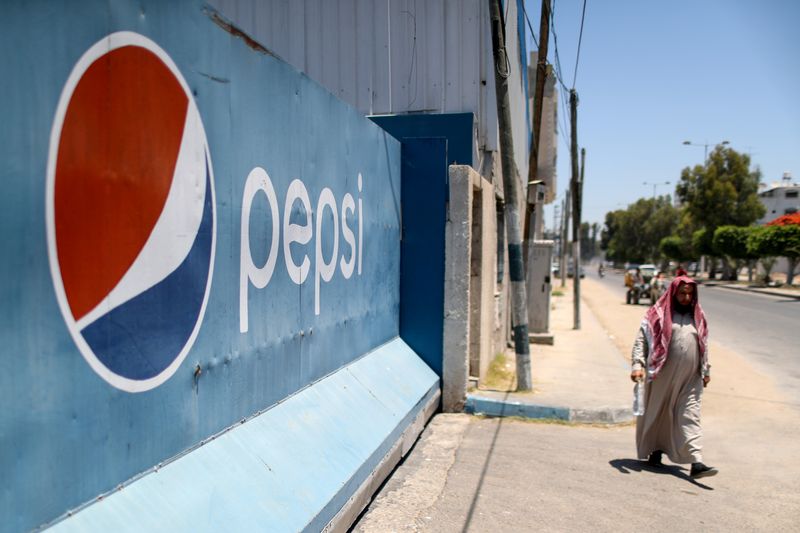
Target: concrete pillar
<point>470,281</point>
<point>457,290</point>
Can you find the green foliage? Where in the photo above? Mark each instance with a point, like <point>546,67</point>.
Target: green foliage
<point>703,242</point>
<point>612,223</point>
<point>731,241</point>
<point>764,242</point>
<point>789,237</point>
<point>677,248</point>
<point>722,192</point>
<point>635,234</point>
<point>589,240</point>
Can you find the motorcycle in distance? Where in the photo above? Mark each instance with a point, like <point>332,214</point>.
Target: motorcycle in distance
<point>638,280</point>
<point>601,270</point>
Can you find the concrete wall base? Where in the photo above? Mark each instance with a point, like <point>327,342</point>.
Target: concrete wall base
<point>310,463</point>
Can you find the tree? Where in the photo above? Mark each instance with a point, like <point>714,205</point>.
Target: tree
<point>731,241</point>
<point>589,240</point>
<point>789,234</point>
<point>722,192</point>
<point>762,243</point>
<point>785,242</point>
<point>634,235</point>
<point>612,223</point>
<point>676,248</point>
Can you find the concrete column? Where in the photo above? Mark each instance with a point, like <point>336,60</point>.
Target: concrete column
<point>470,281</point>
<point>457,290</point>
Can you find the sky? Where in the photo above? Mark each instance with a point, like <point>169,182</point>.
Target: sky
<point>654,74</point>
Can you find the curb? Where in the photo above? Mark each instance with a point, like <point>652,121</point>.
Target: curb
<point>477,405</point>
<point>752,289</point>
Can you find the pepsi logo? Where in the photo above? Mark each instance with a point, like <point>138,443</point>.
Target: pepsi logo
<point>131,223</point>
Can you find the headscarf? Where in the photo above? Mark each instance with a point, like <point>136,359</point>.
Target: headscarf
<point>657,327</point>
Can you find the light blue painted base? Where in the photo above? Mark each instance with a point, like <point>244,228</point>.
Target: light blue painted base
<point>290,468</point>
<point>492,407</point>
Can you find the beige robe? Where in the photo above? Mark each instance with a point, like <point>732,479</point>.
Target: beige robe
<point>671,421</point>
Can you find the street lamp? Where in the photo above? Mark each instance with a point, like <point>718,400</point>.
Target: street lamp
<point>656,185</point>
<point>705,146</point>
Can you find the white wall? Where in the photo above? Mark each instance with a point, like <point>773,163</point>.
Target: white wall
<point>396,56</point>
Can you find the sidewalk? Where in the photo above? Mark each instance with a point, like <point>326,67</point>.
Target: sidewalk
<point>582,378</point>
<point>477,474</point>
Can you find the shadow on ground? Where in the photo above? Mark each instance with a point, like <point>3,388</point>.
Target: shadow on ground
<point>626,466</point>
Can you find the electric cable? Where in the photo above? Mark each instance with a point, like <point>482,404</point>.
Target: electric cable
<point>580,39</point>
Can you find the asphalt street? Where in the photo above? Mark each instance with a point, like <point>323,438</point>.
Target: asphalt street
<point>763,328</point>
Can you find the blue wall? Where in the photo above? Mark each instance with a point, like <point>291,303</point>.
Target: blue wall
<point>65,431</point>
<point>425,191</point>
<point>456,128</point>
<point>430,144</point>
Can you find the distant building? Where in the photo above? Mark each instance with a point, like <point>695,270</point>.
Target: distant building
<point>779,198</point>
<point>546,167</point>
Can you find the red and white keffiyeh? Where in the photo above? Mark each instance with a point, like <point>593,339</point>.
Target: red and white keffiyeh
<point>657,327</point>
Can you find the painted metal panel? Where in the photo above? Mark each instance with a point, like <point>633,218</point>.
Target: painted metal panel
<point>422,268</point>
<point>402,56</point>
<point>70,431</point>
<point>250,478</point>
<point>430,144</point>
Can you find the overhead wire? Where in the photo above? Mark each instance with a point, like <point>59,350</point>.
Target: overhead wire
<point>580,39</point>
<point>563,89</point>
<point>558,68</point>
<point>530,27</point>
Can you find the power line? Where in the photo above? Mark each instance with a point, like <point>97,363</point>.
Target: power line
<point>557,71</point>
<point>558,68</point>
<point>580,38</point>
<point>530,27</point>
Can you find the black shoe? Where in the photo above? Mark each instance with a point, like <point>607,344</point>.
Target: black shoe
<point>700,470</point>
<point>655,458</point>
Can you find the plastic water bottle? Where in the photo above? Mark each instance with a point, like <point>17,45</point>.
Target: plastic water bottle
<point>638,398</point>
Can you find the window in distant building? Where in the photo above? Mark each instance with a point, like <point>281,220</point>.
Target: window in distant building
<point>789,210</point>
<point>791,194</point>
<point>767,194</point>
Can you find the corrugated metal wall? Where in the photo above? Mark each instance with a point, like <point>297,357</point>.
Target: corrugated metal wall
<point>396,56</point>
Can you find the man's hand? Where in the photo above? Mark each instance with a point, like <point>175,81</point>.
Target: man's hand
<point>706,379</point>
<point>637,375</point>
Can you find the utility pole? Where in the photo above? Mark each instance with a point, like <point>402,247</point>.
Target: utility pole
<point>538,97</point>
<point>556,217</point>
<point>576,209</point>
<point>565,238</point>
<point>516,267</point>
<point>578,259</point>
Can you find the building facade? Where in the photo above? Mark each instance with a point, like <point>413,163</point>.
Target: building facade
<point>779,198</point>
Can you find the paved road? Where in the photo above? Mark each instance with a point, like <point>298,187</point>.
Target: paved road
<point>763,328</point>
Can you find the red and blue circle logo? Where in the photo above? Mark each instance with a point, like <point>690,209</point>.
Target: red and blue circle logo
<point>131,217</point>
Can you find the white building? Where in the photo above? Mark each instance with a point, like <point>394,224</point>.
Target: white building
<point>779,198</point>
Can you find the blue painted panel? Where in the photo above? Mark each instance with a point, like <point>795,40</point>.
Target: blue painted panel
<point>430,144</point>
<point>457,128</point>
<point>425,192</point>
<point>70,432</point>
<point>270,473</point>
